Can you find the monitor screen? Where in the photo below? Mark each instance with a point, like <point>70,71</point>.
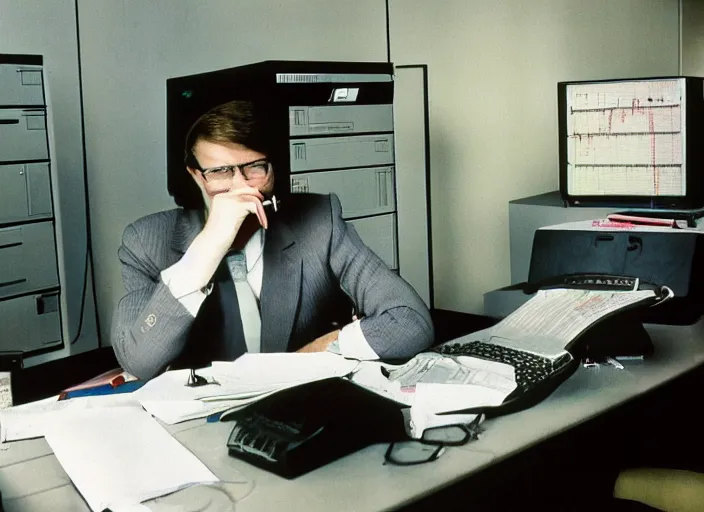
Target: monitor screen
<point>625,138</point>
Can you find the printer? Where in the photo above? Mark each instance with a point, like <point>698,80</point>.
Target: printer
<point>658,255</point>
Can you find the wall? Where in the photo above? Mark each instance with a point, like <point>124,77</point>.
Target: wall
<point>692,37</point>
<point>493,68</point>
<point>128,50</point>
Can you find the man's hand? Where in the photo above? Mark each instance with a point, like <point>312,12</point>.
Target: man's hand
<point>320,344</point>
<point>229,209</point>
<point>227,213</point>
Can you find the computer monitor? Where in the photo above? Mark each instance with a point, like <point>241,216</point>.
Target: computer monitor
<point>632,142</point>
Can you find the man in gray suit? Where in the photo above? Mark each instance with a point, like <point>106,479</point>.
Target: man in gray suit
<point>213,280</point>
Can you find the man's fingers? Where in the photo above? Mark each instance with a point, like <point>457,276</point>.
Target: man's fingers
<point>261,214</point>
<point>246,191</point>
<point>254,205</point>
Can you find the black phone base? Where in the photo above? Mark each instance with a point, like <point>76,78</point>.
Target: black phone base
<point>622,335</point>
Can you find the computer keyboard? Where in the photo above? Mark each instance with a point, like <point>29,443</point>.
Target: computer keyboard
<point>530,368</point>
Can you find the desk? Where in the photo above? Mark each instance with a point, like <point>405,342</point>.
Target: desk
<point>32,480</point>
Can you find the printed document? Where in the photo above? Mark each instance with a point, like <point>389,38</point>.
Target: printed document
<point>551,319</point>
<point>431,367</point>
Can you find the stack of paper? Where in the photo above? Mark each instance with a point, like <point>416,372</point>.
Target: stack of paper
<point>551,319</point>
<point>30,420</point>
<point>233,385</point>
<point>117,457</point>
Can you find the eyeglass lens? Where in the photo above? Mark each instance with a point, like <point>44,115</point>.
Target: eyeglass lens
<point>256,170</point>
<point>412,452</point>
<point>453,434</point>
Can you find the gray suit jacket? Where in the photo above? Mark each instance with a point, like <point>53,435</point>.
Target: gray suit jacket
<point>313,260</point>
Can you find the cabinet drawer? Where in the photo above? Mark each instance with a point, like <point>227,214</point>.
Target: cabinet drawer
<point>31,322</point>
<point>23,135</point>
<point>25,192</point>
<point>379,234</point>
<point>340,119</point>
<point>21,85</point>
<point>27,259</point>
<point>368,191</point>
<point>341,152</point>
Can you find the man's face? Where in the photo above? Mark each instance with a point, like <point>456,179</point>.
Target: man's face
<point>211,155</point>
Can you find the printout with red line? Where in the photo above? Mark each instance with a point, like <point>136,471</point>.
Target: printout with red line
<point>626,138</point>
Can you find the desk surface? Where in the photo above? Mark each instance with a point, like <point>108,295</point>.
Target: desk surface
<point>31,478</point>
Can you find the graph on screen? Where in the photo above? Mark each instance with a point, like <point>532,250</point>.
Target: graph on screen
<point>626,138</point>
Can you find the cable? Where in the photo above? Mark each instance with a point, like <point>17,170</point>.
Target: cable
<point>89,242</point>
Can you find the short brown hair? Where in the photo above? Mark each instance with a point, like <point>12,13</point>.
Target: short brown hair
<point>236,122</point>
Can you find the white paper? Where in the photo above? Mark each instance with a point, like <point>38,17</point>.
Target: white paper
<point>432,367</point>
<point>551,319</point>
<point>177,411</point>
<point>118,457</point>
<point>29,420</point>
<point>369,376</point>
<point>240,382</point>
<point>433,398</point>
<point>256,373</point>
<point>5,390</point>
<point>437,398</point>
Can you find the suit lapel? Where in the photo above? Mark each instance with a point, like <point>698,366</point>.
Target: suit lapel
<point>281,287</point>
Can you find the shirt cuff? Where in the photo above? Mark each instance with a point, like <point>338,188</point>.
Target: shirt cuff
<point>353,344</point>
<point>175,279</point>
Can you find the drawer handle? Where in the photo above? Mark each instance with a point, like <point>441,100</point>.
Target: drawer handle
<point>602,239</point>
<point>10,283</point>
<point>12,244</point>
<point>9,121</point>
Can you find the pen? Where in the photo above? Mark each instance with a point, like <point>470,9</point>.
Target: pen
<point>645,221</point>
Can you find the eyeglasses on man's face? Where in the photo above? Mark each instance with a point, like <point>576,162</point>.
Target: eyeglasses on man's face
<point>251,171</point>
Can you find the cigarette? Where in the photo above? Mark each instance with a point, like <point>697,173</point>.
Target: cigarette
<point>272,202</point>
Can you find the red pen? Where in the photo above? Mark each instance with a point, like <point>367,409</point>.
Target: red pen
<point>643,221</point>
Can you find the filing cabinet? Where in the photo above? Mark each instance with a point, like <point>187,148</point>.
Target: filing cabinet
<point>23,135</point>
<point>362,192</point>
<point>348,149</point>
<point>30,290</point>
<point>27,258</point>
<point>340,152</point>
<point>340,119</point>
<point>345,145</point>
<point>26,192</point>
<point>22,83</point>
<point>33,322</point>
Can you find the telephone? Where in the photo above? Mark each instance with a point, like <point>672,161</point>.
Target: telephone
<point>297,430</point>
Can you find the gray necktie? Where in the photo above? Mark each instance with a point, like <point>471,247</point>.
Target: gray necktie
<point>249,309</point>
